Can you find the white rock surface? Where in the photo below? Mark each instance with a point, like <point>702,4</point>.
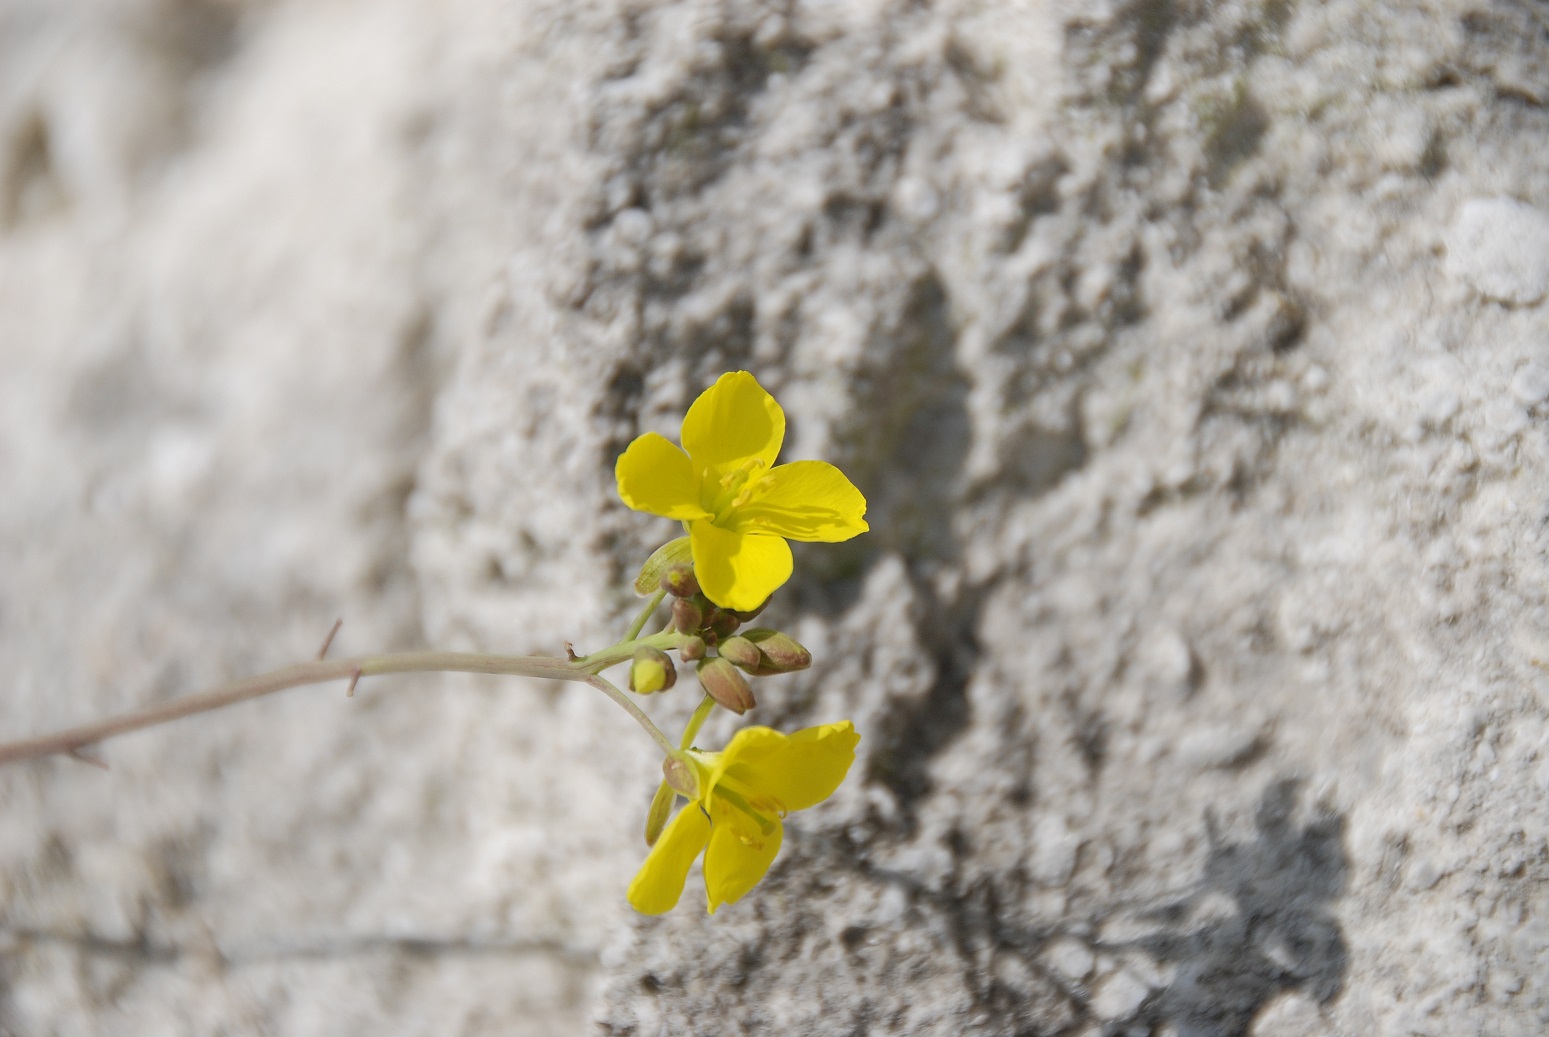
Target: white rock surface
<point>1197,647</point>
<point>1500,248</point>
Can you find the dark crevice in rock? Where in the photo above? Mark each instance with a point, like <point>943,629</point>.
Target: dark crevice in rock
<point>193,36</point>
<point>1126,45</point>
<point>909,737</point>
<point>1507,45</point>
<point>914,440</point>
<point>420,370</point>
<point>1038,196</point>
<point>30,187</point>
<point>1234,128</point>
<point>906,451</point>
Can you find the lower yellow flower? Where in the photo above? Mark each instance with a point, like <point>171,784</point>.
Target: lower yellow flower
<point>744,793</point>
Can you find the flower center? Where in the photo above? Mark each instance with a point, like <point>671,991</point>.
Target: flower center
<point>732,490</point>
<point>765,811</point>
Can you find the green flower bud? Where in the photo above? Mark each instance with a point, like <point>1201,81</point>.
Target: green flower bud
<point>686,616</point>
<point>692,649</point>
<point>723,683</point>
<point>661,809</point>
<point>781,653</point>
<point>651,671</point>
<point>742,653</point>
<point>679,581</point>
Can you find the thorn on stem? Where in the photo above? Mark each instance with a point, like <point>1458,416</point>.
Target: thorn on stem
<point>328,641</point>
<point>349,692</point>
<point>570,653</point>
<point>89,758</point>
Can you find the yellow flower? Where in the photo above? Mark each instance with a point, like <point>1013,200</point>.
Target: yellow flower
<point>744,792</point>
<point>738,509</point>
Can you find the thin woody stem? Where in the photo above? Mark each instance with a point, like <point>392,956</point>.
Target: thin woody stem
<point>73,740</point>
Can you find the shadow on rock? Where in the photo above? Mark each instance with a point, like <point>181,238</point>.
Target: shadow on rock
<point>1260,923</point>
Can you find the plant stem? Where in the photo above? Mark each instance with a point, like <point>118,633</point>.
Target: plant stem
<point>624,651</point>
<point>607,687</point>
<point>645,616</point>
<point>584,670</point>
<point>695,722</point>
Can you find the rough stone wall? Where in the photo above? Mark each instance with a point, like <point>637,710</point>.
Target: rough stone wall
<point>1193,357</point>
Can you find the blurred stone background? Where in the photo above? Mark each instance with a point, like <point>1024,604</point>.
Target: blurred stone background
<point>1194,358</point>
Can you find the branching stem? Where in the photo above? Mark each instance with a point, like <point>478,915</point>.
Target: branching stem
<point>585,670</point>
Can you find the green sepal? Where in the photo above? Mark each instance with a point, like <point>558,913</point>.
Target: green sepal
<point>672,553</point>
<point>661,809</point>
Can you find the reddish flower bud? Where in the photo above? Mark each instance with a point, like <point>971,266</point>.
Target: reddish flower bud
<point>686,616</point>
<point>742,653</point>
<point>780,652</point>
<point>752,614</point>
<point>679,581</point>
<point>723,623</point>
<point>692,649</point>
<point>723,683</point>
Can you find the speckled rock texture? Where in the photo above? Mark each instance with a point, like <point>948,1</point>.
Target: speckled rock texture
<point>1194,359</point>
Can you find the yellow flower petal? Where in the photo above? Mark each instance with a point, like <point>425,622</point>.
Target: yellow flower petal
<point>803,500</point>
<point>732,421</point>
<point>738,570</point>
<point>657,477</point>
<point>659,882</point>
<point>796,771</point>
<point>740,854</point>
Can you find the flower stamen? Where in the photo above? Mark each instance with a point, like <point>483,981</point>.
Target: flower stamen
<point>736,486</point>
<point>766,824</point>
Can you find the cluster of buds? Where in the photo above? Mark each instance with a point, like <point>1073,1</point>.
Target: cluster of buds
<point>712,643</point>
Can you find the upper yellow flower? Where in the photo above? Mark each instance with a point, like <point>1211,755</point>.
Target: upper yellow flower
<point>744,792</point>
<point>738,509</point>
